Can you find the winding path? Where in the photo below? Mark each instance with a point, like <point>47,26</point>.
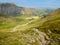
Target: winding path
<point>20,26</point>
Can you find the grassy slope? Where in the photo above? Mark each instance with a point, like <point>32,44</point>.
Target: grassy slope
<point>52,27</point>
<point>17,38</point>
<point>6,23</point>
<point>25,37</point>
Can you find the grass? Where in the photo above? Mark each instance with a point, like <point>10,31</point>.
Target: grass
<point>8,23</point>
<point>19,38</point>
<point>53,25</point>
<point>25,35</point>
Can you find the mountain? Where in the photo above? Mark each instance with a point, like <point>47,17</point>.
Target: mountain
<point>14,10</point>
<point>9,9</point>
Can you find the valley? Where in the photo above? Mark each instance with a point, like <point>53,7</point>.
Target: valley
<point>29,26</point>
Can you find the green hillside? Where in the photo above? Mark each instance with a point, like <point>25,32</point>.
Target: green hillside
<point>8,22</point>
<point>52,27</point>
<point>29,28</point>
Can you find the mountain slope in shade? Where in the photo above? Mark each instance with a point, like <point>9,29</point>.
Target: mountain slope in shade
<point>9,9</point>
<point>13,10</point>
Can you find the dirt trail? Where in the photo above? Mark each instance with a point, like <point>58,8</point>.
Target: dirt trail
<point>20,26</point>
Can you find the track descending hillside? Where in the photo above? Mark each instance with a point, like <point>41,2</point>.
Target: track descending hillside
<point>21,26</point>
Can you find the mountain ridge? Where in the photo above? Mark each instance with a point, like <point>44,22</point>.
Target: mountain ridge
<point>13,10</point>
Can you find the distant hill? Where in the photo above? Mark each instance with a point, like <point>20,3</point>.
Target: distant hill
<point>14,10</point>
<point>9,9</point>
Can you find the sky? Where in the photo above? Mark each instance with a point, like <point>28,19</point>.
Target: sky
<point>35,3</point>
